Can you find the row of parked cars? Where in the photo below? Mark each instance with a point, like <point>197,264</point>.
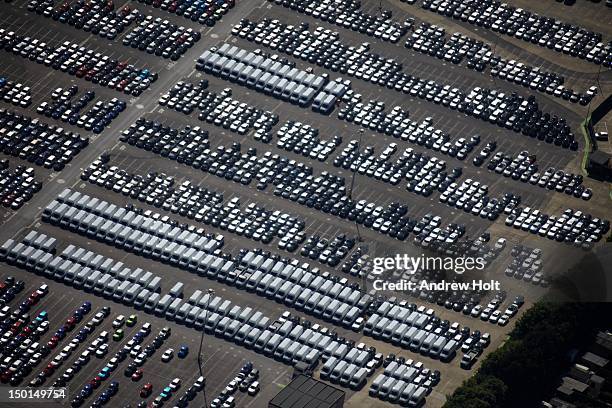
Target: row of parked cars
<point>8,290</point>
<point>492,312</point>
<point>527,26</point>
<point>80,61</point>
<point>572,226</point>
<point>95,119</point>
<point>203,11</point>
<point>128,227</point>
<point>37,142</point>
<point>396,123</point>
<point>329,252</point>
<point>348,14</point>
<point>128,349</point>
<point>95,348</point>
<point>198,203</point>
<point>245,381</point>
<point>521,115</point>
<point>168,392</point>
<point>98,17</point>
<point>523,167</point>
<point>473,197</point>
<point>509,111</point>
<point>162,38</point>
<point>17,187</point>
<point>65,352</point>
<point>20,333</point>
<point>432,40</point>
<point>526,264</point>
<point>60,335</point>
<point>304,139</point>
<point>15,92</point>
<point>292,180</point>
<point>220,109</point>
<point>425,174</point>
<point>543,81</point>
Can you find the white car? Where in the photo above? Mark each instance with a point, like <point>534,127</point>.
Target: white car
<point>167,356</point>
<point>253,388</point>
<point>118,322</point>
<point>175,384</point>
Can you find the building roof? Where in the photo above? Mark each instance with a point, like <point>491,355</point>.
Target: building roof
<point>595,360</point>
<point>600,158</point>
<point>306,392</point>
<point>570,385</point>
<point>604,339</point>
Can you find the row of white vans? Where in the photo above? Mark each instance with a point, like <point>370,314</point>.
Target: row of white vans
<point>400,383</point>
<point>268,275</point>
<point>263,73</point>
<point>128,228</point>
<point>83,269</point>
<point>325,298</point>
<point>286,339</point>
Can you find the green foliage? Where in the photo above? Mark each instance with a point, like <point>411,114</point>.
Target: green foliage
<point>527,368</point>
<point>483,392</point>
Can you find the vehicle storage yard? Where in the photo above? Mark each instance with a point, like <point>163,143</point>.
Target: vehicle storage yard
<point>236,169</point>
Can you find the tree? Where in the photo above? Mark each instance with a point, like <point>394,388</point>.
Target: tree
<point>528,367</point>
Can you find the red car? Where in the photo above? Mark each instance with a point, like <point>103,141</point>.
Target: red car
<point>70,323</point>
<point>95,382</point>
<point>5,376</point>
<point>16,327</point>
<point>48,371</point>
<point>53,342</point>
<point>137,375</point>
<point>146,390</point>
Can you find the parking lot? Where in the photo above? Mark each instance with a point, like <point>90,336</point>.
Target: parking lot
<point>235,178</point>
<point>221,364</point>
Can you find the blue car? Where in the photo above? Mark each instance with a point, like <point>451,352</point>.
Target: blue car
<point>113,387</point>
<point>87,390</point>
<point>105,372</point>
<point>166,393</point>
<point>183,351</point>
<point>104,397</point>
